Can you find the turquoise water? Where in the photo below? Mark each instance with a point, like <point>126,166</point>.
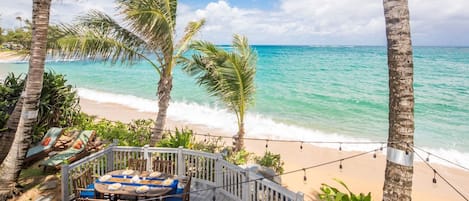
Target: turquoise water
<point>334,92</point>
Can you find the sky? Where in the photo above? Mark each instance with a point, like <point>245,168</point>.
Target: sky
<point>287,22</point>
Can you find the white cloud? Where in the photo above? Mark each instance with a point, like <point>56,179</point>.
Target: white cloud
<point>433,22</point>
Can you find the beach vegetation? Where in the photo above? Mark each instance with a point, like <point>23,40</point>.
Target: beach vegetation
<point>237,157</point>
<point>145,31</point>
<point>330,193</point>
<point>58,102</point>
<point>211,145</point>
<point>227,75</point>
<point>271,160</point>
<point>180,138</point>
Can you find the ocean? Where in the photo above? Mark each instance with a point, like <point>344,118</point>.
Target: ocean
<point>311,93</point>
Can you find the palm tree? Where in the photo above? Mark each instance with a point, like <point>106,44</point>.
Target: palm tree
<point>226,75</point>
<point>398,174</point>
<point>25,113</point>
<point>148,28</point>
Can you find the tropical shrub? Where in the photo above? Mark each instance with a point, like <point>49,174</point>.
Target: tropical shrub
<point>10,90</point>
<point>271,160</point>
<point>183,137</point>
<point>330,193</point>
<point>58,102</point>
<point>240,157</point>
<point>211,145</point>
<point>135,133</point>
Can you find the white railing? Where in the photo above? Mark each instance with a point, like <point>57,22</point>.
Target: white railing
<point>210,169</point>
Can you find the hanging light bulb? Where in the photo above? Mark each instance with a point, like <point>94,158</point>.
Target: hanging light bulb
<point>340,146</point>
<point>381,148</point>
<point>374,154</point>
<point>304,176</point>
<point>301,146</point>
<point>428,157</point>
<point>434,176</point>
<point>266,144</point>
<point>340,165</point>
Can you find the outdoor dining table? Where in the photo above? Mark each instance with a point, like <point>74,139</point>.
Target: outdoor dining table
<point>129,189</point>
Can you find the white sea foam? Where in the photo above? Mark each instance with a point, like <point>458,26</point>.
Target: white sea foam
<point>257,125</point>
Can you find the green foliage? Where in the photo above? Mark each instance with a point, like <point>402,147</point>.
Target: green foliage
<point>271,160</point>
<point>58,102</point>
<point>211,145</point>
<point>10,90</point>
<point>137,133</point>
<point>240,157</point>
<point>183,137</point>
<point>330,193</point>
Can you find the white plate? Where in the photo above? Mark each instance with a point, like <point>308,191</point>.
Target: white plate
<point>167,182</point>
<point>127,172</point>
<point>142,189</point>
<point>105,178</point>
<point>114,186</point>
<point>155,174</point>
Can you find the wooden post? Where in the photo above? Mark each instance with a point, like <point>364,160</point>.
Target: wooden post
<point>246,186</point>
<point>64,183</point>
<point>181,163</point>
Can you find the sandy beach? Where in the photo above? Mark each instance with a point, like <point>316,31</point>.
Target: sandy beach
<point>362,174</point>
<point>10,56</point>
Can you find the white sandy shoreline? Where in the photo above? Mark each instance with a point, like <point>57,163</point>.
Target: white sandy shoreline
<point>362,174</point>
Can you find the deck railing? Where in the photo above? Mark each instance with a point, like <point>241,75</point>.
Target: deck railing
<point>209,169</point>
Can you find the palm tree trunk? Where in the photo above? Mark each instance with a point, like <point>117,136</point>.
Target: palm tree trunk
<point>240,137</point>
<point>11,166</point>
<point>164,95</point>
<point>398,176</point>
<point>9,135</point>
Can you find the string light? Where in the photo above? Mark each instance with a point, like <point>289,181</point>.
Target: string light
<point>266,144</point>
<point>340,146</point>
<point>374,154</point>
<point>434,176</point>
<point>428,157</point>
<point>340,165</point>
<point>304,176</point>
<point>381,148</point>
<point>301,146</point>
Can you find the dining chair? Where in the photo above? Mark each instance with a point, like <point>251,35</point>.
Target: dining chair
<point>184,196</point>
<point>83,184</point>
<point>164,166</point>
<point>137,164</point>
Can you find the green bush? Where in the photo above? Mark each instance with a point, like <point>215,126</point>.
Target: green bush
<point>136,133</point>
<point>211,145</point>
<point>240,157</point>
<point>58,102</point>
<point>271,160</point>
<point>330,193</point>
<point>183,137</point>
<point>10,91</point>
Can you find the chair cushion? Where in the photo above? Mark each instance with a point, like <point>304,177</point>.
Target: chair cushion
<point>88,194</point>
<point>78,144</point>
<point>46,141</point>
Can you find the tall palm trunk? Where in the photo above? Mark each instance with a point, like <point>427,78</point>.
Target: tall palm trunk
<point>164,95</point>
<point>398,176</point>
<point>11,166</point>
<point>240,137</point>
<point>9,135</point>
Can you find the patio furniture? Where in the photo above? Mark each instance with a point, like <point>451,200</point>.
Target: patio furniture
<point>83,184</point>
<point>164,166</point>
<point>179,196</point>
<point>77,151</point>
<point>137,164</point>
<point>43,148</point>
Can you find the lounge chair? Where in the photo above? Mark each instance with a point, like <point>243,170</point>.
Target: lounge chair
<point>77,151</point>
<point>43,148</point>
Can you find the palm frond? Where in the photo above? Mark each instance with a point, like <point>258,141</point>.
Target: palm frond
<point>191,29</point>
<point>154,20</point>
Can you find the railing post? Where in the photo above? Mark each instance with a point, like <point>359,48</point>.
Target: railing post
<point>110,156</point>
<point>218,172</point>
<point>300,196</point>
<point>246,185</point>
<point>181,164</point>
<point>64,183</point>
<point>147,157</point>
